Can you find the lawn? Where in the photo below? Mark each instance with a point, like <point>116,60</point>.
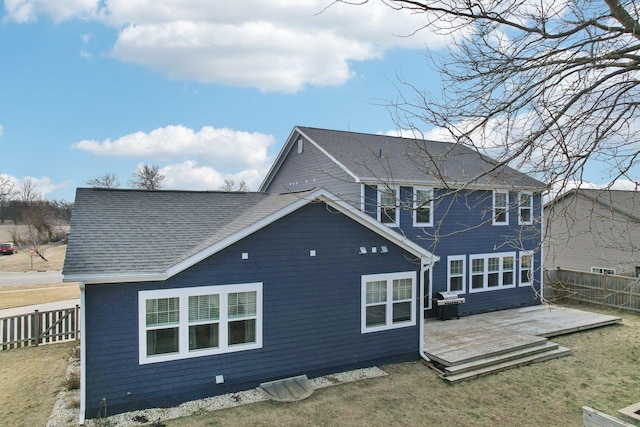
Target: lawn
<point>602,372</point>
<point>31,378</point>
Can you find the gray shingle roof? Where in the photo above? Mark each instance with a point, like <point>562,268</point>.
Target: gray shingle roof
<point>123,231</point>
<point>397,159</point>
<point>625,202</point>
<point>131,235</point>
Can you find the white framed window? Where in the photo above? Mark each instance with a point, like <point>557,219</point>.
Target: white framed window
<point>199,321</point>
<point>602,270</point>
<point>526,268</point>
<point>388,301</point>
<point>525,208</point>
<point>492,271</point>
<point>500,207</point>
<point>456,277</point>
<point>388,211</point>
<point>422,207</point>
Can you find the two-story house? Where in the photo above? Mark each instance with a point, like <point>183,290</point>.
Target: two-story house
<point>482,219</point>
<point>594,230</point>
<point>330,267</point>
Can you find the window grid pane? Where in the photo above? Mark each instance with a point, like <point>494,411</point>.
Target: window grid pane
<point>241,304</point>
<point>204,307</point>
<point>376,292</point>
<point>401,289</point>
<point>162,311</point>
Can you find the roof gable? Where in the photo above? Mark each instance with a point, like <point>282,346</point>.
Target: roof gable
<point>132,235</point>
<point>380,158</point>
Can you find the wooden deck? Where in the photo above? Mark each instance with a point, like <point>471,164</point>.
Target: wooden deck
<point>471,346</point>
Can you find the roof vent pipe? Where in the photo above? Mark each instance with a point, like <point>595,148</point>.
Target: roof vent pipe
<point>380,153</point>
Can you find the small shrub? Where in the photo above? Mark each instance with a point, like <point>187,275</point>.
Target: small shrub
<point>75,353</point>
<point>72,381</point>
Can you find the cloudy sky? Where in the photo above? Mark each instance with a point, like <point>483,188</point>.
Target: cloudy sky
<point>206,89</point>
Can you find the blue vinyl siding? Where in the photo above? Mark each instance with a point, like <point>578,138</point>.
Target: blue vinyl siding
<point>311,322</point>
<point>463,226</point>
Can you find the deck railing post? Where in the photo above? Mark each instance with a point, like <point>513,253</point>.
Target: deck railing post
<point>36,328</point>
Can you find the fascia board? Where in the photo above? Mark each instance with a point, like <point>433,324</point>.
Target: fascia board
<point>452,185</point>
<point>278,162</point>
<point>92,279</point>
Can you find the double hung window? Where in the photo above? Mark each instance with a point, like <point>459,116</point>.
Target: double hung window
<point>525,208</point>
<point>492,271</point>
<point>526,268</point>
<point>456,274</point>
<point>198,321</point>
<point>388,205</point>
<point>500,207</point>
<point>422,207</point>
<point>388,301</point>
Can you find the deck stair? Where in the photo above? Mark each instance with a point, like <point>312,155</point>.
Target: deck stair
<point>508,359</point>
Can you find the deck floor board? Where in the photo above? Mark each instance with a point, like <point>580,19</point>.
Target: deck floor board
<point>457,341</point>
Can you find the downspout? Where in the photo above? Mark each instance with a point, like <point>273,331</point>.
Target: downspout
<point>424,268</point>
<point>83,355</point>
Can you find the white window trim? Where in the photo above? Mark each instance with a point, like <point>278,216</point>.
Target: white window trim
<point>521,207</point>
<point>462,258</point>
<point>396,191</point>
<point>183,326</point>
<point>493,208</point>
<point>415,207</point>
<point>603,270</point>
<point>531,269</point>
<point>388,277</point>
<point>485,275</point>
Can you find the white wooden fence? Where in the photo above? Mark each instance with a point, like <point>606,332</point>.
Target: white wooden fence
<point>40,327</point>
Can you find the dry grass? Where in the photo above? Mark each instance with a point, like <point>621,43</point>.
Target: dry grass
<point>31,378</point>
<point>18,296</point>
<point>22,261</point>
<point>602,372</point>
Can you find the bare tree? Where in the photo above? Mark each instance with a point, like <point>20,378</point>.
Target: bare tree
<point>549,86</point>
<point>230,185</point>
<point>37,215</point>
<point>7,192</point>
<point>108,180</point>
<point>147,177</point>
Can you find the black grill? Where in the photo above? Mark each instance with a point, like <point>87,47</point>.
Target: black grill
<point>447,305</point>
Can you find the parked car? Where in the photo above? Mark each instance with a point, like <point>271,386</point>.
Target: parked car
<point>8,248</point>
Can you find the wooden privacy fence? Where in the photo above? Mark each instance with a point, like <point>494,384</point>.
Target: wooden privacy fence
<point>40,327</point>
<point>606,290</point>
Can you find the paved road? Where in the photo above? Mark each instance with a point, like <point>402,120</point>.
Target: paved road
<point>30,278</point>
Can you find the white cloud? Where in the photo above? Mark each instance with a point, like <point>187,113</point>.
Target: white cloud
<point>272,45</point>
<point>59,10</point>
<point>1,130</point>
<point>191,175</point>
<point>219,148</point>
<point>195,160</point>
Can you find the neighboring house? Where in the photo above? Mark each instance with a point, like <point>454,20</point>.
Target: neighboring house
<point>596,231</point>
<point>481,219</point>
<point>186,295</point>
<point>331,266</point>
